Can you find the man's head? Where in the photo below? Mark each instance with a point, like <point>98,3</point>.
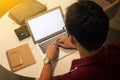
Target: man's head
<point>88,24</point>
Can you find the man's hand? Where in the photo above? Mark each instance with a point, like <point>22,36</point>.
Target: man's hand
<point>51,51</point>
<point>65,42</point>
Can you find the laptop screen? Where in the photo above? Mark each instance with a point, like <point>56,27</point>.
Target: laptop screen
<point>45,25</point>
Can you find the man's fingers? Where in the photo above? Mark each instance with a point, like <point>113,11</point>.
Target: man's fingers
<point>61,38</point>
<point>60,42</point>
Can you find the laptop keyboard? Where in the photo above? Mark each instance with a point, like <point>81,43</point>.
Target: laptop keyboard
<point>44,45</point>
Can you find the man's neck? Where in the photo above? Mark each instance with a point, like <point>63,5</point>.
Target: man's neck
<point>85,53</point>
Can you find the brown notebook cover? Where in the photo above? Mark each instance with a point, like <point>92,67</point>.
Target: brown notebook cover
<point>20,57</point>
<point>25,10</point>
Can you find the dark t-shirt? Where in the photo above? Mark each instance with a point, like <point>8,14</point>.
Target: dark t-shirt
<point>103,66</point>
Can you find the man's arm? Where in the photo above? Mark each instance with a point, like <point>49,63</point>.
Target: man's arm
<point>47,71</point>
<point>51,52</point>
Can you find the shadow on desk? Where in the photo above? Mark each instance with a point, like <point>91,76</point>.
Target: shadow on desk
<point>7,75</point>
<point>113,36</point>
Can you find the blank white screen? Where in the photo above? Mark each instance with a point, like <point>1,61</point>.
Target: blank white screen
<point>46,24</point>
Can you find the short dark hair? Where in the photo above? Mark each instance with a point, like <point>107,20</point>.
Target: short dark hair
<point>87,23</point>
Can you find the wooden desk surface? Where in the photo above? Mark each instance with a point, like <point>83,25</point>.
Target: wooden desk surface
<point>8,40</point>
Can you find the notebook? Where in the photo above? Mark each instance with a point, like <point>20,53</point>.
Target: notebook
<point>46,27</point>
<point>20,57</point>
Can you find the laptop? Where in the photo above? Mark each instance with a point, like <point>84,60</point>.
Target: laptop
<point>46,27</point>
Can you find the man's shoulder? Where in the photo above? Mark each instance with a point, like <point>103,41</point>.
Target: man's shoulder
<point>112,52</point>
<point>113,47</point>
<point>113,58</point>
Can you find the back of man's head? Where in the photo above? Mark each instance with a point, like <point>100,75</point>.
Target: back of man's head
<point>88,24</point>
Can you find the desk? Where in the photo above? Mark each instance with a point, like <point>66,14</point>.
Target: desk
<point>8,40</point>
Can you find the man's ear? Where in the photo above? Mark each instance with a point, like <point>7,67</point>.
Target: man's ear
<point>72,39</point>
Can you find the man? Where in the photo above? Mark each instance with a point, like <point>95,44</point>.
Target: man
<point>87,25</point>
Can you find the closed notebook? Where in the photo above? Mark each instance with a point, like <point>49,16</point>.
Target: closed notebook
<point>20,57</point>
<point>25,10</point>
